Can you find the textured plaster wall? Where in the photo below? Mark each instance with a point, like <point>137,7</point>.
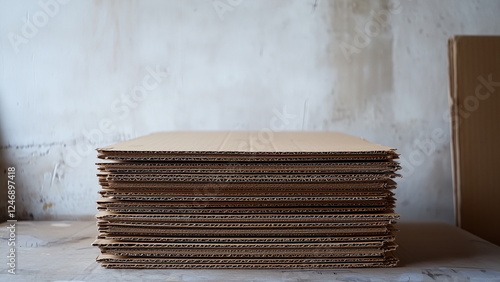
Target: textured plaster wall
<point>76,75</point>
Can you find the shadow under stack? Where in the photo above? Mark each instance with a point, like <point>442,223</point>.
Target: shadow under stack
<point>246,200</point>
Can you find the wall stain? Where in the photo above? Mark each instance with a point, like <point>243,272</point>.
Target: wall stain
<point>47,206</point>
<point>113,32</point>
<point>33,145</point>
<point>365,77</point>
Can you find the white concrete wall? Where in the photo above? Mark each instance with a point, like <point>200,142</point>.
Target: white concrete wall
<point>76,75</point>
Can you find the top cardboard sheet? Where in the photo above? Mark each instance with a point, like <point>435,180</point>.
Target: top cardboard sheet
<point>261,142</point>
<point>179,145</point>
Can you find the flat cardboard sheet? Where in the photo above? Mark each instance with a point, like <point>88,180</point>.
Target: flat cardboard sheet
<point>236,178</point>
<point>242,187</point>
<point>113,258</point>
<point>313,239</point>
<point>157,195</point>
<point>300,264</point>
<point>262,210</point>
<point>110,196</point>
<point>339,246</point>
<point>243,232</point>
<point>235,261</point>
<point>205,252</point>
<point>288,143</point>
<point>249,167</point>
<point>250,217</point>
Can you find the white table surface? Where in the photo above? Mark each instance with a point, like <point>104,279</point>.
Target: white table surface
<point>62,251</point>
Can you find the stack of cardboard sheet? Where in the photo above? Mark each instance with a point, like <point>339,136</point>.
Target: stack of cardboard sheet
<point>246,200</point>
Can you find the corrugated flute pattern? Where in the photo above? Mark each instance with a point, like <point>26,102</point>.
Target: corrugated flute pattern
<point>246,200</point>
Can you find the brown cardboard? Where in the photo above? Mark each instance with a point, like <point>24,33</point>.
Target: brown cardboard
<point>249,217</point>
<point>247,186</point>
<point>235,178</point>
<point>227,143</point>
<point>113,261</point>
<point>112,196</point>
<point>104,243</point>
<point>249,167</point>
<point>250,265</point>
<point>255,210</point>
<point>387,259</point>
<point>248,196</point>
<point>175,200</point>
<point>207,200</point>
<point>475,111</point>
<point>242,204</point>
<point>113,258</point>
<point>243,232</point>
<point>194,156</point>
<point>239,225</point>
<point>249,252</point>
<point>380,238</point>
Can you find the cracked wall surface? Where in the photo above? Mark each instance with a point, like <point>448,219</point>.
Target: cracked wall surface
<point>77,75</point>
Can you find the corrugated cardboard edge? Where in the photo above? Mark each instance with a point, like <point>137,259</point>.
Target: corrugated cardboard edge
<point>248,167</point>
<point>247,252</point>
<point>113,230</point>
<point>383,238</point>
<point>256,210</point>
<point>106,243</point>
<point>162,186</point>
<point>122,259</point>
<point>165,198</point>
<point>249,266</point>
<point>183,217</point>
<point>452,98</point>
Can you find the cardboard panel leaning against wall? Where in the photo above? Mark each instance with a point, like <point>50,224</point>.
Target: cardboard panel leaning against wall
<point>475,110</point>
